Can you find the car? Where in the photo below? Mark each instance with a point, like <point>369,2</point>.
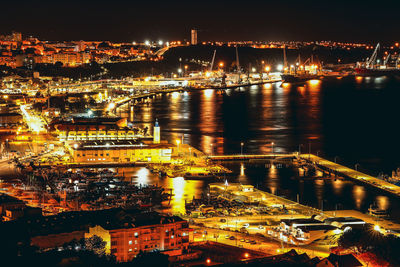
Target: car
<point>253,242</point>
<point>242,240</point>
<point>227,236</point>
<point>232,238</point>
<point>260,227</point>
<point>246,225</point>
<point>247,240</point>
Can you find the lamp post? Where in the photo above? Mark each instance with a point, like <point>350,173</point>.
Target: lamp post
<point>336,159</point>
<point>318,153</point>
<point>300,149</point>
<point>272,144</point>
<point>357,165</point>
<point>178,142</point>
<point>241,148</point>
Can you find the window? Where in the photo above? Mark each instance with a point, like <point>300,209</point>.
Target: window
<point>130,250</point>
<point>136,234</point>
<point>130,242</point>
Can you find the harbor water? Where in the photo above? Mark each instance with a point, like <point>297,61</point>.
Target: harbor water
<point>351,120</point>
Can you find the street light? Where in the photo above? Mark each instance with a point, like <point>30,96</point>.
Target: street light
<point>178,142</point>
<point>357,165</point>
<point>336,158</point>
<point>318,153</point>
<point>241,148</point>
<point>272,144</point>
<point>300,146</point>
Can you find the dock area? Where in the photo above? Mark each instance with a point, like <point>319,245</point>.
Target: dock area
<point>320,163</point>
<point>351,173</point>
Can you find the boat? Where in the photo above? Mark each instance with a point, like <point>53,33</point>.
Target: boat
<point>372,67</point>
<point>198,176</point>
<point>300,72</point>
<point>375,211</point>
<point>377,72</point>
<point>298,78</point>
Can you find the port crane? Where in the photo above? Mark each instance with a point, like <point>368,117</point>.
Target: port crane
<point>371,61</point>
<point>386,60</point>
<point>212,61</point>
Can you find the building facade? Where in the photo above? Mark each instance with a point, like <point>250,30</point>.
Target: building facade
<point>169,235</point>
<point>120,151</point>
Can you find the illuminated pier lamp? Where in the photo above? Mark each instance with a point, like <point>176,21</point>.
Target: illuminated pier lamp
<point>178,142</point>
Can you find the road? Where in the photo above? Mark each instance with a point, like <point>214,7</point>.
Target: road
<point>34,122</point>
<point>263,244</point>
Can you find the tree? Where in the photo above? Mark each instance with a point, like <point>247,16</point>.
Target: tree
<point>96,244</point>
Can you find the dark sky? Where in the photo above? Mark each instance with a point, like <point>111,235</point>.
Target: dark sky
<point>119,20</point>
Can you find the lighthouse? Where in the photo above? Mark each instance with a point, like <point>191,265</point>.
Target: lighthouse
<point>156,133</point>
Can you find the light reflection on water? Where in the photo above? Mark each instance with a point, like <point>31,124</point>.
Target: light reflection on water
<point>328,114</point>
<point>180,189</point>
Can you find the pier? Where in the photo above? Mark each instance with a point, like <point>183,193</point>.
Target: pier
<point>321,164</point>
<point>352,174</point>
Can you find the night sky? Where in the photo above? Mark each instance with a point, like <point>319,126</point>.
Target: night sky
<point>118,20</point>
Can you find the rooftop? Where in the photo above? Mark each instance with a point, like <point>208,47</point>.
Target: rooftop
<point>119,144</point>
<point>67,222</point>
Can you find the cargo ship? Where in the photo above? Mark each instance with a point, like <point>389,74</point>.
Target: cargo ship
<point>377,72</point>
<point>372,66</point>
<point>298,78</point>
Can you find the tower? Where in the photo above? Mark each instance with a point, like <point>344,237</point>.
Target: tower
<point>194,37</point>
<point>156,133</point>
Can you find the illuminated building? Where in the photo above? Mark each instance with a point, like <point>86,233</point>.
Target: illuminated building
<point>144,232</point>
<point>126,232</point>
<point>69,59</point>
<point>96,128</point>
<point>194,37</point>
<point>121,151</point>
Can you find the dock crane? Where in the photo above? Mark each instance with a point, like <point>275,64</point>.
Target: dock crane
<point>386,60</point>
<point>212,61</point>
<point>238,65</point>
<point>371,61</point>
<point>397,62</point>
